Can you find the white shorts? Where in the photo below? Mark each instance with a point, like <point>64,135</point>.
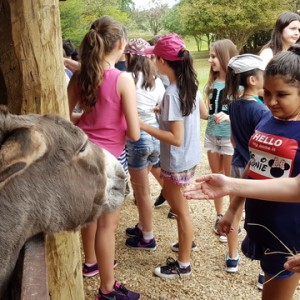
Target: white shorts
<point>218,144</point>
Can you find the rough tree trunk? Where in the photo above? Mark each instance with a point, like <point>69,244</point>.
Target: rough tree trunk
<point>32,80</point>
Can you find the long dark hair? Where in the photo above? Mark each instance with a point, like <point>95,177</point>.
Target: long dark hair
<point>100,40</point>
<point>186,80</point>
<point>233,82</point>
<point>286,65</point>
<point>136,64</point>
<point>283,21</point>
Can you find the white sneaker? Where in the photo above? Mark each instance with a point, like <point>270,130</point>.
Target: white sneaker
<point>232,264</point>
<point>223,238</point>
<point>260,281</point>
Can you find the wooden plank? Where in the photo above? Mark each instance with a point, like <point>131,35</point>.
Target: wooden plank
<point>35,277</point>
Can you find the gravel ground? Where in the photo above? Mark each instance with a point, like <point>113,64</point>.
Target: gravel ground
<point>209,280</point>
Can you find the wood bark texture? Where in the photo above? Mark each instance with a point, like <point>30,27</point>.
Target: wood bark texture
<point>32,80</point>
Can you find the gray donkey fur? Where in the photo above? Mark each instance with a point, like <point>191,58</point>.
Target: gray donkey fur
<point>51,179</point>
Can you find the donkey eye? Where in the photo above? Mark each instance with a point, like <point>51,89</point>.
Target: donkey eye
<point>82,149</point>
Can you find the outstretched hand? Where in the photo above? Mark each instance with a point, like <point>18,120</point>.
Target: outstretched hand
<point>208,187</point>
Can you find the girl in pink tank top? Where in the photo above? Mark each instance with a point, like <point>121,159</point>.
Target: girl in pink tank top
<point>108,100</point>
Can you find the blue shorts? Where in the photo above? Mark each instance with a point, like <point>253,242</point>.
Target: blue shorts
<point>268,225</point>
<point>271,264</point>
<point>143,152</point>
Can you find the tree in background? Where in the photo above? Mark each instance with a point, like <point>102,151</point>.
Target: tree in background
<point>176,21</point>
<point>77,15</point>
<point>152,19</point>
<point>244,22</point>
<point>238,20</point>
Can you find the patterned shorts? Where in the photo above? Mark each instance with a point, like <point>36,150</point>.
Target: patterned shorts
<point>180,178</point>
<point>124,162</point>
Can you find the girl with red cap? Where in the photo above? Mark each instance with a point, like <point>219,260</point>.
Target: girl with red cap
<point>179,135</point>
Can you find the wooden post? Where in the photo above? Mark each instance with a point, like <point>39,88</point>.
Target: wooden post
<point>32,80</point>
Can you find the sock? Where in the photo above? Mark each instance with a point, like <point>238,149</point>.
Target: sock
<point>148,235</point>
<point>90,265</point>
<point>183,265</point>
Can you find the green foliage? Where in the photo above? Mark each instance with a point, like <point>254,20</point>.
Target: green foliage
<point>153,18</point>
<point>204,20</point>
<point>237,20</point>
<point>77,15</point>
<point>73,25</point>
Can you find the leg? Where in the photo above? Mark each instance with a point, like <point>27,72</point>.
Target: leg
<point>215,164</point>
<point>280,289</point>
<point>226,159</point>
<point>105,248</point>
<point>233,243</point>
<point>88,234</point>
<point>156,173</point>
<point>232,237</point>
<point>141,187</point>
<point>160,200</point>
<point>179,205</point>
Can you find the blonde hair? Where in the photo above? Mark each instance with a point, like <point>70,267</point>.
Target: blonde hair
<point>224,49</point>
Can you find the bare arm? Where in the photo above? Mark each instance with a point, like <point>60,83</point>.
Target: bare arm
<point>203,110</point>
<point>173,137</point>
<point>73,98</point>
<point>126,89</point>
<point>71,64</point>
<point>278,189</point>
<point>217,185</point>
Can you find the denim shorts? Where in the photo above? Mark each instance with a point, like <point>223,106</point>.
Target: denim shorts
<point>218,144</point>
<point>144,152</point>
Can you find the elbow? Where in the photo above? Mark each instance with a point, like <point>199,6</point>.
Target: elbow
<point>177,143</point>
<point>134,137</point>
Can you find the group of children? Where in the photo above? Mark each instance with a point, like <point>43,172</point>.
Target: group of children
<point>120,108</point>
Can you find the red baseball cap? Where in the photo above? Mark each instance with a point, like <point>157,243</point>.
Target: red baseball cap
<point>168,47</point>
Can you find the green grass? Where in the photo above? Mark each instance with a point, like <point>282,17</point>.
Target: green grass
<point>202,68</point>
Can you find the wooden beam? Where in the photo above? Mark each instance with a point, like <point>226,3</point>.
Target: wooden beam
<point>31,65</point>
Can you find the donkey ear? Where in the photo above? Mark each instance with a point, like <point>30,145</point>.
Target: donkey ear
<point>19,149</point>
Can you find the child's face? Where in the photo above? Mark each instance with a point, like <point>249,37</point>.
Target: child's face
<point>290,34</point>
<point>214,61</point>
<point>283,99</point>
<point>160,64</point>
<point>259,80</point>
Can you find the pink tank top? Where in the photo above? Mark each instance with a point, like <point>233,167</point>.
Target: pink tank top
<point>105,125</point>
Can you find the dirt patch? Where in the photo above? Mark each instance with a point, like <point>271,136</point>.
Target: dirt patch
<point>209,280</point>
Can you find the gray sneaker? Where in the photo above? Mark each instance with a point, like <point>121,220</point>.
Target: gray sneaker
<point>160,201</point>
<point>175,247</point>
<point>171,214</point>
<point>172,270</point>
